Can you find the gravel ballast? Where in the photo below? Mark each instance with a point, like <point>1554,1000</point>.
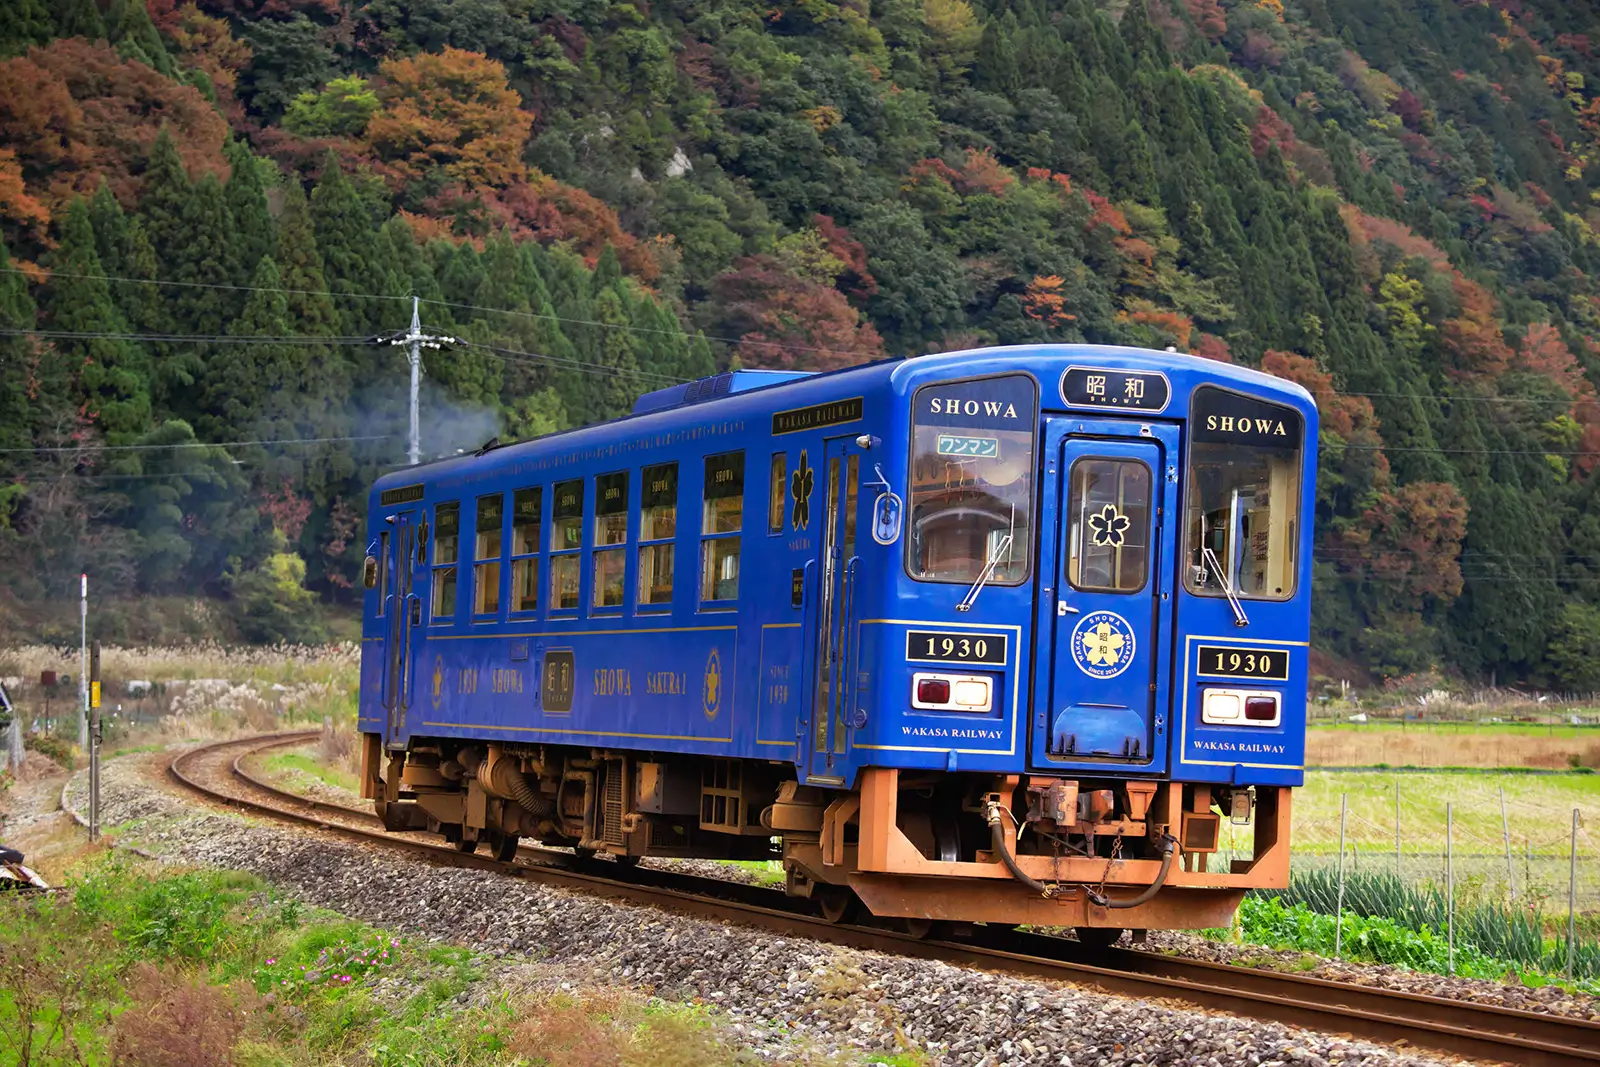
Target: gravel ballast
<point>775,990</point>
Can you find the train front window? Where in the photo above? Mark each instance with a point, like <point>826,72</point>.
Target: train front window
<point>972,460</point>
<point>1243,517</point>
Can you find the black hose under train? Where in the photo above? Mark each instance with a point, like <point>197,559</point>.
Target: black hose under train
<point>997,836</point>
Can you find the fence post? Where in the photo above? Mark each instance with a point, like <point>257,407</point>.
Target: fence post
<point>1505,832</point>
<point>1399,872</point>
<point>1450,875</point>
<point>1572,893</point>
<point>1338,911</point>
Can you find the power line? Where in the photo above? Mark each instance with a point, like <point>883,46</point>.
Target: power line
<point>632,328</point>
<point>204,444</point>
<point>512,355</point>
<point>207,285</point>
<point>1484,399</point>
<point>182,338</point>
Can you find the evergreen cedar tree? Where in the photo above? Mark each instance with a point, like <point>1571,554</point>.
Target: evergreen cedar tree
<point>1394,210</point>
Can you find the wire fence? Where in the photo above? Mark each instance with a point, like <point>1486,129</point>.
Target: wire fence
<point>1507,863</point>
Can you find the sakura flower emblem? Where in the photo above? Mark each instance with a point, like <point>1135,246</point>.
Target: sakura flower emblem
<point>1102,645</point>
<point>1108,527</point>
<point>800,483</point>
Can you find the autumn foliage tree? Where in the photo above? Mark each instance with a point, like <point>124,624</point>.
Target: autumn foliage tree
<point>76,113</point>
<point>786,322</point>
<point>450,113</point>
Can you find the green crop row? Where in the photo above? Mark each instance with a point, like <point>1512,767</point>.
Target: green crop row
<point>1503,933</point>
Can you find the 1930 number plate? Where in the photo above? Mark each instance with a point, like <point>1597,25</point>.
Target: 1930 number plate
<point>1218,661</point>
<point>941,647</point>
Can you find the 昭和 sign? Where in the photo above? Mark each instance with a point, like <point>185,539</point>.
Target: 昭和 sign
<point>1123,390</point>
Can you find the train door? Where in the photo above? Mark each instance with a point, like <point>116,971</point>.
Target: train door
<point>838,564</point>
<point>1105,644</point>
<point>402,609</point>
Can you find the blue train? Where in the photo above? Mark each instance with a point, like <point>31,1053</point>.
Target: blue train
<point>1001,635</point>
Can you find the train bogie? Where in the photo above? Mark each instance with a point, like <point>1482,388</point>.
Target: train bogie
<point>1001,636</point>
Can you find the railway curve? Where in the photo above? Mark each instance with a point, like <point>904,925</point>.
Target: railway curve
<point>1472,1030</point>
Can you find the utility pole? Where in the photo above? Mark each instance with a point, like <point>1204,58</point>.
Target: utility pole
<point>83,661</point>
<point>94,743</point>
<point>415,341</point>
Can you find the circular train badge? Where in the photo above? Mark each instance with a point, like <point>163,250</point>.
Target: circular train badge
<point>1102,644</point>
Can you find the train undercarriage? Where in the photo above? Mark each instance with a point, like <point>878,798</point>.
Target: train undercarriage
<point>1096,854</point>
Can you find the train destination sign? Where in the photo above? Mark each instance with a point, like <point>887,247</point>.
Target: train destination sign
<point>816,416</point>
<point>405,494</point>
<point>1100,387</point>
<point>1222,417</point>
<point>1221,661</point>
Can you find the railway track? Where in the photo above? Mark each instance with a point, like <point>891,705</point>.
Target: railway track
<point>1472,1030</point>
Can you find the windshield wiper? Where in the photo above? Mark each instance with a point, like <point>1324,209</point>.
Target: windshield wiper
<point>1001,548</point>
<point>1214,565</point>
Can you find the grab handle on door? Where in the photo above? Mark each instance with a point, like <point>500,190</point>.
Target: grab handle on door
<point>1063,608</point>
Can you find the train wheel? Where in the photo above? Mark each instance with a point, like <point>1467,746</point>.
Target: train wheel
<point>628,862</point>
<point>917,928</point>
<point>584,854</point>
<point>464,844</point>
<point>836,902</point>
<point>505,847</point>
<point>1098,937</point>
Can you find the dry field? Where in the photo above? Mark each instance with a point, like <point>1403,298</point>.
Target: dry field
<point>1453,745</point>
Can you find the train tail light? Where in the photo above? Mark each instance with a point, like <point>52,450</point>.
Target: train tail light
<point>972,693</point>
<point>1240,707</point>
<point>1263,708</point>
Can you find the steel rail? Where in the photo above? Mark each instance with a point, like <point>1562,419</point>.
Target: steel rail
<point>1464,1028</point>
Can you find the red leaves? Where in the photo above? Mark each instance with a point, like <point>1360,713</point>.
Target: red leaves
<point>1413,537</point>
<point>1176,325</point>
<point>1210,346</point>
<point>452,111</point>
<point>1472,340</point>
<point>1103,212</point>
<point>17,208</point>
<point>1042,300</point>
<point>790,323</point>
<point>1209,18</point>
<point>77,112</point>
<point>979,173</point>
<point>856,279</point>
<point>1409,108</point>
<point>287,510</point>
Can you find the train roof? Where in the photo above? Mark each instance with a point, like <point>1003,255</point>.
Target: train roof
<point>687,401</point>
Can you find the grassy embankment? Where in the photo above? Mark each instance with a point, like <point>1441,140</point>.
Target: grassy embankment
<point>150,967</point>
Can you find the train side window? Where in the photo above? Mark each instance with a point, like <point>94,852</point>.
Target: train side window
<point>446,549</point>
<point>383,570</point>
<point>486,555</point>
<point>658,526</point>
<point>610,528</point>
<point>525,519</point>
<point>721,520</point>
<point>566,541</point>
<point>777,492</point>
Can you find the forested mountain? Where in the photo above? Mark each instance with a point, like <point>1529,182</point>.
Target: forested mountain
<point>211,209</point>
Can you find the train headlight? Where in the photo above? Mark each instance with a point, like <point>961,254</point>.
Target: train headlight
<point>1240,707</point>
<point>952,692</point>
